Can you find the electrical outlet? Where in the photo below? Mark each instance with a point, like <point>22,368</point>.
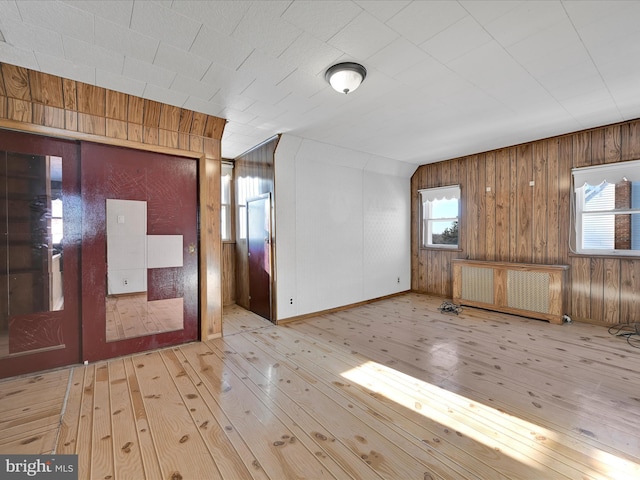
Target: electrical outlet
<point>398,279</point>
<point>291,301</point>
<point>125,281</point>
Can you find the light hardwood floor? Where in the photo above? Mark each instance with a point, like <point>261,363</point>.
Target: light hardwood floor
<point>394,389</point>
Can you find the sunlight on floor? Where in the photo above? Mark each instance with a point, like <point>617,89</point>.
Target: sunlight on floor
<point>523,441</point>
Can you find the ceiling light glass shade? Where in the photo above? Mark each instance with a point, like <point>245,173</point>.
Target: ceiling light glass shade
<point>346,77</point>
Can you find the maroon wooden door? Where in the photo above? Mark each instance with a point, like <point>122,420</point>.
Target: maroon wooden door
<point>169,187</point>
<point>39,255</point>
<point>259,242</point>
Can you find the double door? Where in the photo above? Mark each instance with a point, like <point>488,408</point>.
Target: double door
<point>57,301</point>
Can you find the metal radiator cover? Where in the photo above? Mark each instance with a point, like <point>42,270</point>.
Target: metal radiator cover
<point>528,290</point>
<point>477,284</point>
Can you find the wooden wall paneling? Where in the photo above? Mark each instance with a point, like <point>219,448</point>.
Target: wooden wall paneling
<point>3,90</point>
<point>470,208</point>
<point>91,99</point>
<point>70,97</point>
<point>490,205</point>
<point>413,228</point>
<point>168,127</point>
<point>211,249</point>
<point>596,292</point>
<point>19,110</point>
<point>631,141</point>
<point>629,288</point>
<point>502,204</point>
<point>446,173</point>
<point>431,284</point>
<point>524,214</point>
<point>117,105</point>
<point>481,208</point>
<point>611,291</point>
<point>151,122</point>
<point>612,144</point>
<point>228,274</point>
<point>513,205</point>
<point>525,224</point>
<point>553,200</point>
<point>580,286</point>
<point>582,149</point>
<point>16,82</point>
<point>565,158</point>
<point>539,204</point>
<point>597,146</point>
<point>46,89</point>
<point>135,117</point>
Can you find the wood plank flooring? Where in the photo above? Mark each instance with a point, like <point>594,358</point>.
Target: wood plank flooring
<point>132,315</point>
<point>394,389</point>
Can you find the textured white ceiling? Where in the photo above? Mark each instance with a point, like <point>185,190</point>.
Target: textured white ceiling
<point>445,78</point>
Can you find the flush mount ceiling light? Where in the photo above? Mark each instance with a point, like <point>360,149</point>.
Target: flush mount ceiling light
<point>345,77</point>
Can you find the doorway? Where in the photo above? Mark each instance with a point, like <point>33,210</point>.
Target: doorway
<point>140,251</point>
<point>259,246</point>
<point>39,253</point>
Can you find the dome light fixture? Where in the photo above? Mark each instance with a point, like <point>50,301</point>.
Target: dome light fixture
<point>345,77</point>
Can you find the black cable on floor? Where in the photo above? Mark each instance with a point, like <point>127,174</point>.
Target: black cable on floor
<point>631,331</point>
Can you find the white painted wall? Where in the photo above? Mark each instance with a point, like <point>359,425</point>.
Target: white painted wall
<point>342,226</point>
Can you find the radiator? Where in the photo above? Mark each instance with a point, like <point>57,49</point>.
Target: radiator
<point>537,291</point>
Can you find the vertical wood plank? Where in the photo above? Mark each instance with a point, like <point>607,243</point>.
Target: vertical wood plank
<point>565,156</point>
<point>524,203</point>
<point>582,149</point>
<point>16,82</point>
<point>502,204</point>
<point>470,209</point>
<point>597,146</point>
<point>629,288</point>
<point>70,98</point>
<point>513,202</point>
<point>540,202</point>
<point>612,144</point>
<point>611,293</point>
<point>46,89</point>
<point>92,100</point>
<point>211,248</point>
<point>553,200</point>
<point>117,105</point>
<point>481,199</point>
<point>490,206</point>
<point>415,218</point>
<point>631,141</point>
<point>580,286</point>
<point>596,293</point>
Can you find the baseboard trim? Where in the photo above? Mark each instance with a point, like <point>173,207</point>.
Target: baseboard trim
<point>338,309</point>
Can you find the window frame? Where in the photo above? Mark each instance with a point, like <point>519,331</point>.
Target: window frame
<point>427,195</point>
<point>611,174</point>
<point>227,170</point>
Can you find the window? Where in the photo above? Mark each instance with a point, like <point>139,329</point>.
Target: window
<point>607,209</point>
<point>439,219</point>
<point>225,190</point>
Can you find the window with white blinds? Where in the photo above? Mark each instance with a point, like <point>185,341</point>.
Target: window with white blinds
<point>607,209</point>
<point>440,213</point>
